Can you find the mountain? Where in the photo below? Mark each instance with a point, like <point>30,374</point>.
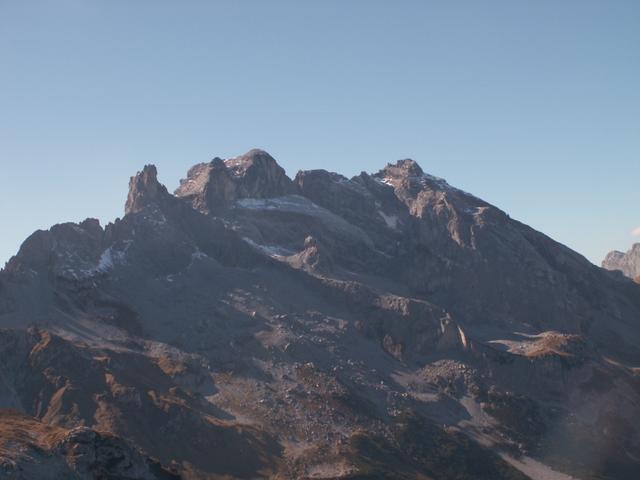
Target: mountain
<point>251,325</point>
<point>628,263</point>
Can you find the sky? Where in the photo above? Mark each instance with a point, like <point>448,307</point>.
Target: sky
<point>532,106</point>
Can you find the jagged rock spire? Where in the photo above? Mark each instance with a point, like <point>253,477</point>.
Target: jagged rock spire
<point>144,189</point>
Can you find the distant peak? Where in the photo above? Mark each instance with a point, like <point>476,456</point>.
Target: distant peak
<point>144,189</point>
<point>148,175</point>
<point>253,158</point>
<point>406,167</point>
<point>256,174</point>
<point>627,262</point>
<point>257,152</point>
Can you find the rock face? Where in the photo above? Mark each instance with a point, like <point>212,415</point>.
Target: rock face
<point>628,263</point>
<point>144,190</point>
<point>217,184</point>
<point>251,326</point>
<point>30,449</point>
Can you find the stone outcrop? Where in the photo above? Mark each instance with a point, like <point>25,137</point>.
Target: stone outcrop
<point>144,189</point>
<point>628,263</point>
<point>314,257</point>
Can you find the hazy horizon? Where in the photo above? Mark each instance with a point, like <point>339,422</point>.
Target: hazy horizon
<point>534,108</point>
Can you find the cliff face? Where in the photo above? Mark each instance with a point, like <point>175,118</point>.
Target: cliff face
<point>628,263</point>
<point>384,326</point>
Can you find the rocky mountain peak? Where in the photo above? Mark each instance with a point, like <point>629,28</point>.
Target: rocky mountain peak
<point>407,174</point>
<point>404,168</point>
<point>628,263</point>
<point>259,175</point>
<point>217,184</point>
<point>144,189</point>
<point>253,158</point>
<point>208,186</point>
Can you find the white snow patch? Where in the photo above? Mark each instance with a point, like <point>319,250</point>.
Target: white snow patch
<point>474,210</point>
<point>390,220</point>
<point>289,203</point>
<point>386,181</point>
<point>198,254</point>
<point>535,469</point>
<point>274,251</point>
<point>423,180</point>
<point>108,259</point>
<point>234,165</point>
<point>303,206</point>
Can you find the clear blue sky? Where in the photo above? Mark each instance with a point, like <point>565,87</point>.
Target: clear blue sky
<point>531,105</point>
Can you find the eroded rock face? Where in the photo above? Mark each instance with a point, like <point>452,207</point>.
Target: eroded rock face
<point>383,326</point>
<point>144,189</point>
<point>217,184</point>
<point>628,263</point>
<point>314,257</point>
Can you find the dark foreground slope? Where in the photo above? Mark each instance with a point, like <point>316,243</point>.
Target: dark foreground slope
<point>384,326</point>
<point>30,449</point>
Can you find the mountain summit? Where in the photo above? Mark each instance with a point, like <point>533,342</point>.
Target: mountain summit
<point>253,326</point>
<point>217,184</point>
<point>628,263</point>
<point>144,189</point>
